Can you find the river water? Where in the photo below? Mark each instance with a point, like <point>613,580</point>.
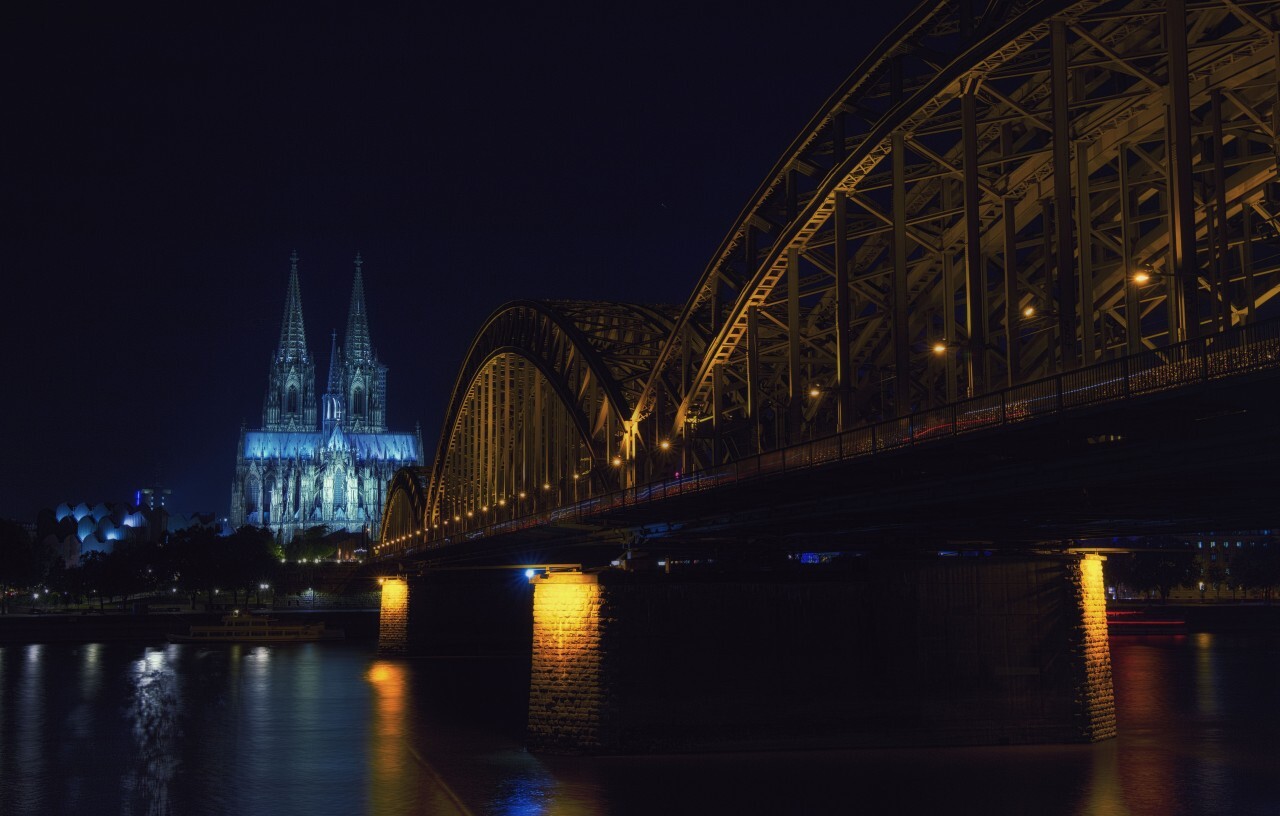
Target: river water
<point>331,729</point>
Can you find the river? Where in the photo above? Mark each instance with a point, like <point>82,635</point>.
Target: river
<point>315,729</point>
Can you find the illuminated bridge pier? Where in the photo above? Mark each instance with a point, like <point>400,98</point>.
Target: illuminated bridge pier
<point>971,651</point>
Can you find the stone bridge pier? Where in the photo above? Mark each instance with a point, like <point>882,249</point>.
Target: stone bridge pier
<point>1002,649</point>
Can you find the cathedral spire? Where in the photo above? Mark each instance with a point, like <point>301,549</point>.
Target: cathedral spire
<point>293,334</point>
<point>335,367</point>
<point>358,348</point>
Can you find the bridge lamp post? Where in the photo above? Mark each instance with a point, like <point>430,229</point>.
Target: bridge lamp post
<point>943,349</point>
<point>1145,275</point>
<point>1141,278</point>
<point>815,393</point>
<point>664,451</point>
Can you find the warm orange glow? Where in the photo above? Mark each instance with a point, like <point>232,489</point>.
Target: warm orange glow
<point>1029,311</point>
<point>815,391</point>
<point>939,348</point>
<point>565,694</point>
<point>1141,276</point>
<point>393,617</point>
<point>1099,700</point>
<point>392,765</point>
<point>665,444</point>
<point>617,460</point>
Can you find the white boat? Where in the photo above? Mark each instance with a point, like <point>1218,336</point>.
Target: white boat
<point>241,627</point>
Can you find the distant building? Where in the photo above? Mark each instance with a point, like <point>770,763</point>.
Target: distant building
<point>72,531</point>
<point>320,461</point>
<point>152,498</point>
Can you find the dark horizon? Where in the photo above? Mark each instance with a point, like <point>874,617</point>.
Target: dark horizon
<point>170,164</point>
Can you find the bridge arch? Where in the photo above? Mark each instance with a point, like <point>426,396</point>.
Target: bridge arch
<point>406,506</point>
<point>539,407</point>
<point>989,182</point>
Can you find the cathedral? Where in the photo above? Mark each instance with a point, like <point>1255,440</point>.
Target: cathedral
<point>324,460</point>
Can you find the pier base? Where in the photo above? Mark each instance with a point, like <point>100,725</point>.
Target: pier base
<point>947,651</point>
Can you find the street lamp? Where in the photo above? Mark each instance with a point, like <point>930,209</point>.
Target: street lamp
<point>1144,275</point>
<point>1031,313</point>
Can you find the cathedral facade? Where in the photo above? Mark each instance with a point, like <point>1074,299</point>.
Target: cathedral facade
<point>321,459</point>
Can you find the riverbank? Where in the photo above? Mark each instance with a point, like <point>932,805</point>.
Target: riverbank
<point>115,626</point>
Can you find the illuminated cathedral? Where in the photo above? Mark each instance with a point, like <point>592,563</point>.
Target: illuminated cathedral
<point>324,460</point>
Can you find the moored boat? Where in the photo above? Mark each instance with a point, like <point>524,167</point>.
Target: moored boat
<point>241,627</point>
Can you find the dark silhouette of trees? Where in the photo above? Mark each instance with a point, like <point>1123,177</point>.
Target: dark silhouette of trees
<point>1154,571</point>
<point>310,544</point>
<point>195,561</point>
<point>1257,568</point>
<point>17,560</point>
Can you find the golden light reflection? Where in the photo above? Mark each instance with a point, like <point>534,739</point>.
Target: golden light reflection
<point>391,772</point>
<point>401,780</point>
<point>1207,693</point>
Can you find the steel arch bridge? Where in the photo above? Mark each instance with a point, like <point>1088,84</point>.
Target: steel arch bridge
<point>1000,192</point>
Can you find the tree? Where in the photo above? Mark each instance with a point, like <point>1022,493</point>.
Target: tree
<point>251,558</point>
<point>310,544</point>
<point>1157,571</point>
<point>91,575</point>
<point>18,562</point>
<point>1258,568</point>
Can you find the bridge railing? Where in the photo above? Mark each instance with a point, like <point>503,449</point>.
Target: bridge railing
<point>1237,351</point>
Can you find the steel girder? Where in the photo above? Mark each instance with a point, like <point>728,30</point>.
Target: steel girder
<point>539,408</point>
<point>987,183</point>
<point>406,505</point>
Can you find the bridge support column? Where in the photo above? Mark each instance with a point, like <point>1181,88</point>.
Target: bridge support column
<point>393,617</point>
<point>455,612</point>
<point>971,651</point>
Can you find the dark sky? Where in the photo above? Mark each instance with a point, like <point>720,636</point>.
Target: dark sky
<point>162,162</point>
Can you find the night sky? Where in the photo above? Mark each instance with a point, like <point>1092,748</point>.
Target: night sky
<point>162,163</point>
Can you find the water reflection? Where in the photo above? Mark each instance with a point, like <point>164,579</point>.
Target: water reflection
<point>30,702</point>
<point>154,713</point>
<point>391,769</point>
<point>113,728</point>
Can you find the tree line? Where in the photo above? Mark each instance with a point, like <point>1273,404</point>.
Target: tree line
<point>195,562</point>
<point>1253,570</point>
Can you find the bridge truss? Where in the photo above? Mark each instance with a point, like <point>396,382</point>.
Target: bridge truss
<point>1002,191</point>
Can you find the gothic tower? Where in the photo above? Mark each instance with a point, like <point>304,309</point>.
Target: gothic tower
<point>364,379</point>
<point>290,401</point>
